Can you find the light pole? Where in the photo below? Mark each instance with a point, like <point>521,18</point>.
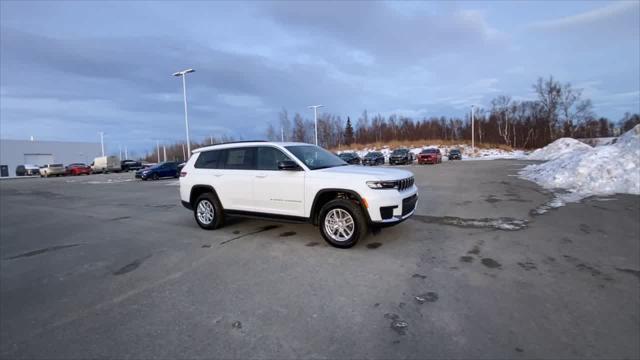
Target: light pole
<point>164,150</point>
<point>126,153</point>
<point>158,147</point>
<point>184,73</point>
<point>315,118</point>
<point>102,141</point>
<point>473,131</point>
<point>184,155</point>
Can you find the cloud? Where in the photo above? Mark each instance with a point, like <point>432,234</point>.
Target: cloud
<point>615,14</point>
<point>383,32</point>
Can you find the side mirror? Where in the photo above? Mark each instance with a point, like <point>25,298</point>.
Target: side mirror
<point>288,165</point>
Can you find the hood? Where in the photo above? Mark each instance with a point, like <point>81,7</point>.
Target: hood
<point>369,172</point>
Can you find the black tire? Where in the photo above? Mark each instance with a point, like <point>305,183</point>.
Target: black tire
<point>155,176</point>
<point>359,219</point>
<point>218,217</point>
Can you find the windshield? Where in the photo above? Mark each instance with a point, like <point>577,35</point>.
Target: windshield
<point>371,155</point>
<point>428,151</point>
<point>399,152</point>
<point>345,156</point>
<point>455,151</point>
<point>315,157</point>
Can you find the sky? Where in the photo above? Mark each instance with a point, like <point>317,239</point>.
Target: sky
<point>69,70</point>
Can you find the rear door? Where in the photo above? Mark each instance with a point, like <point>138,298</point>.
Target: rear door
<point>277,191</point>
<point>234,183</point>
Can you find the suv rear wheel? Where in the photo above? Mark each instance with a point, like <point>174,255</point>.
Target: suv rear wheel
<point>208,211</point>
<point>342,223</point>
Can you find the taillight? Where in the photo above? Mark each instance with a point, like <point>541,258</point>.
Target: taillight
<point>183,173</point>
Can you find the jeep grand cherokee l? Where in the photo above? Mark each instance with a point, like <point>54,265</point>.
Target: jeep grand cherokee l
<point>294,181</point>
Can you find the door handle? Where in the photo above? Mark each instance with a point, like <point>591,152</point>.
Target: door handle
<point>261,176</point>
<point>217,175</point>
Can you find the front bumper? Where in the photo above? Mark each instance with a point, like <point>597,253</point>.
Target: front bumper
<point>391,206</point>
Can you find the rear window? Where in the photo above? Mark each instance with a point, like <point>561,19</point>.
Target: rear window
<point>429,151</point>
<point>55,165</point>
<point>208,160</point>
<point>240,158</point>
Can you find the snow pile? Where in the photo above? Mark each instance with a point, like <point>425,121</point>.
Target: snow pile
<point>602,170</point>
<point>559,148</point>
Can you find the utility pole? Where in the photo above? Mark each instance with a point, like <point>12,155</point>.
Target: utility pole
<point>120,149</point>
<point>184,155</point>
<point>126,153</point>
<point>211,138</point>
<point>164,149</point>
<point>158,147</point>
<point>282,133</point>
<point>315,118</point>
<point>102,141</point>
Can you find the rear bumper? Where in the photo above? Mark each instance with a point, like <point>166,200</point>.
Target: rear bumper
<point>426,161</point>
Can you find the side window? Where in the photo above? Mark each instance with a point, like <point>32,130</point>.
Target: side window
<point>268,158</point>
<point>240,158</point>
<point>208,160</point>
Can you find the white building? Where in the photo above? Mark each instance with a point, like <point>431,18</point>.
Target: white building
<point>20,152</point>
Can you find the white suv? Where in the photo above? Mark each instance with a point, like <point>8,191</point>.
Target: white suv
<point>294,181</point>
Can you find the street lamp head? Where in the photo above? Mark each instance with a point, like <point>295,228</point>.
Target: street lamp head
<point>183,72</point>
<point>315,106</point>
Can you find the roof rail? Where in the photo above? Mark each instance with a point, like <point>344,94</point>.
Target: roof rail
<point>238,142</point>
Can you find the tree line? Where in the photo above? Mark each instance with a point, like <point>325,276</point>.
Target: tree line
<point>559,110</point>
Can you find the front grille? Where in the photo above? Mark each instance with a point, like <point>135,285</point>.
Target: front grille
<point>408,204</point>
<point>405,183</point>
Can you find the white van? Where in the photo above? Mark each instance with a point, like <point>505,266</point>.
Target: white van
<point>106,164</point>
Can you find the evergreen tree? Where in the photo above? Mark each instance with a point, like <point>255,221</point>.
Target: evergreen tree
<point>348,133</point>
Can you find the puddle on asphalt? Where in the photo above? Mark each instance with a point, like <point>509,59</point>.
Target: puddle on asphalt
<point>287,233</point>
<point>131,266</point>
<point>467,259</point>
<point>507,224</point>
<point>419,276</point>
<point>398,325</point>
<point>490,263</point>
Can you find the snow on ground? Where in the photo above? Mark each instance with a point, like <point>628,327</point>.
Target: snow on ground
<point>558,149</point>
<point>602,170</point>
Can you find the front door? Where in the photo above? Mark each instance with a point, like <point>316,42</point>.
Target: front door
<point>277,191</point>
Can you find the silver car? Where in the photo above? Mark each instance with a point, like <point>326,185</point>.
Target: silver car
<point>52,170</point>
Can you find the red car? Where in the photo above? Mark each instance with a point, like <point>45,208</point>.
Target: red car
<point>78,169</point>
<point>430,156</point>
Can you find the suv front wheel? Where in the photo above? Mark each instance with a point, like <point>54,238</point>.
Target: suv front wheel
<point>208,211</point>
<point>342,223</point>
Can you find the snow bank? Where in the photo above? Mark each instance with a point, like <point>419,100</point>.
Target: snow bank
<point>602,170</point>
<point>558,149</point>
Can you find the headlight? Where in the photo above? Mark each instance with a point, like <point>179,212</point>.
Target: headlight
<point>382,184</point>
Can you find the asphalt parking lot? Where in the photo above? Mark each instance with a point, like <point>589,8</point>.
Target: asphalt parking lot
<point>105,266</point>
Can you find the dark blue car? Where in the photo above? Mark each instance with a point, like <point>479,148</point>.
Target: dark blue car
<point>167,169</point>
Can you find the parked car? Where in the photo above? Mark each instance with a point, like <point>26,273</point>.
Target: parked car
<point>455,154</point>
<point>52,170</point>
<point>167,169</point>
<point>294,181</point>
<point>145,165</point>
<point>106,164</point>
<point>401,156</point>
<point>350,158</point>
<point>373,158</point>
<point>27,170</point>
<point>78,169</point>
<point>430,156</point>
<point>128,165</point>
